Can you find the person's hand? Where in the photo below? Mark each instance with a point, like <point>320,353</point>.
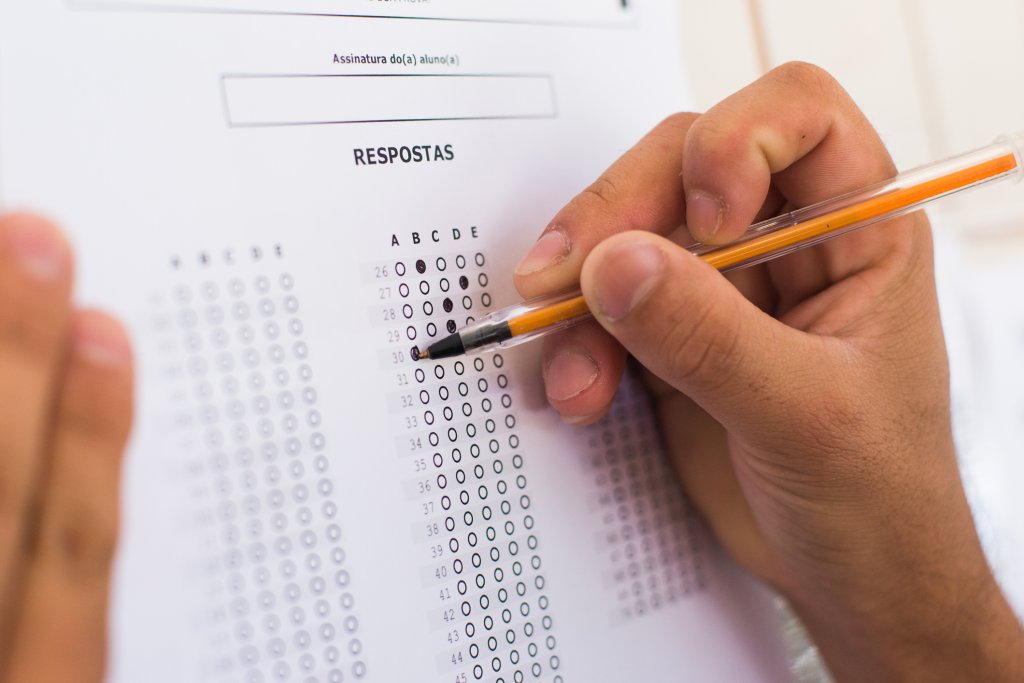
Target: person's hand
<point>805,403</point>
<point>65,411</point>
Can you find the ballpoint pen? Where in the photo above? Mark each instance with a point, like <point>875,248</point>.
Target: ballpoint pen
<point>762,241</point>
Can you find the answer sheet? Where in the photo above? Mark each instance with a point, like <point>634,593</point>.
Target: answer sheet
<point>282,199</point>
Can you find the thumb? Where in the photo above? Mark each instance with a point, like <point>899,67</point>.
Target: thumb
<point>687,324</point>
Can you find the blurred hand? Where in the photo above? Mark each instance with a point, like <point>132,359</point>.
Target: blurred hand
<point>65,411</point>
<point>805,402</point>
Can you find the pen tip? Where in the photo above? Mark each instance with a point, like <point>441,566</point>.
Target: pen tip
<point>446,348</point>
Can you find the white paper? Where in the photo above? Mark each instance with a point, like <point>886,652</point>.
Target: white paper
<point>984,324</point>
<point>298,506</point>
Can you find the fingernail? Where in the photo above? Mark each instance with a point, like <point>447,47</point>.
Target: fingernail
<point>551,249</point>
<point>569,374</point>
<point>704,213</point>
<point>38,248</point>
<point>100,340</point>
<point>626,276</point>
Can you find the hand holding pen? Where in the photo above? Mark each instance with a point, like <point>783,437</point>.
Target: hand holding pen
<point>804,401</point>
<point>769,239</point>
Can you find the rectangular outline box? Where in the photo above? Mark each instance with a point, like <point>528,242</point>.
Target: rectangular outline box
<point>273,100</point>
<point>270,7</point>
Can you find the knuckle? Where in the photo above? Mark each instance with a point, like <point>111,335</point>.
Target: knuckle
<point>805,76</point>
<point>668,137</point>
<point>673,123</point>
<point>714,137</point>
<point>606,206</point>
<point>603,191</point>
<point>83,541</point>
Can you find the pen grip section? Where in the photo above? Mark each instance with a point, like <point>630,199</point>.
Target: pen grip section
<point>487,334</point>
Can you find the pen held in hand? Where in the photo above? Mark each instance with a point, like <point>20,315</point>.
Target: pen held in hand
<point>764,241</point>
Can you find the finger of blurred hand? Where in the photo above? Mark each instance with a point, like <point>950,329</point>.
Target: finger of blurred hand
<point>640,191</point>
<point>582,367</point>
<point>35,286</point>
<point>60,635</point>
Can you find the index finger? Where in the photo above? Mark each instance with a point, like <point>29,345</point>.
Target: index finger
<point>797,132</point>
<point>794,128</point>
<point>642,190</point>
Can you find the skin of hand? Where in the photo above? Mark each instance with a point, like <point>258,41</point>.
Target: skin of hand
<point>804,402</point>
<point>65,412</point>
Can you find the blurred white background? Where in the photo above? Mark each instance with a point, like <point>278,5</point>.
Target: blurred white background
<point>936,77</point>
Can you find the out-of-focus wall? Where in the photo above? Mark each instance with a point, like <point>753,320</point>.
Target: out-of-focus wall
<point>936,77</point>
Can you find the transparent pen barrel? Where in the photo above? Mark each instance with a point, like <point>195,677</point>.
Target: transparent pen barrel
<point>536,317</point>
<point>902,194</point>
